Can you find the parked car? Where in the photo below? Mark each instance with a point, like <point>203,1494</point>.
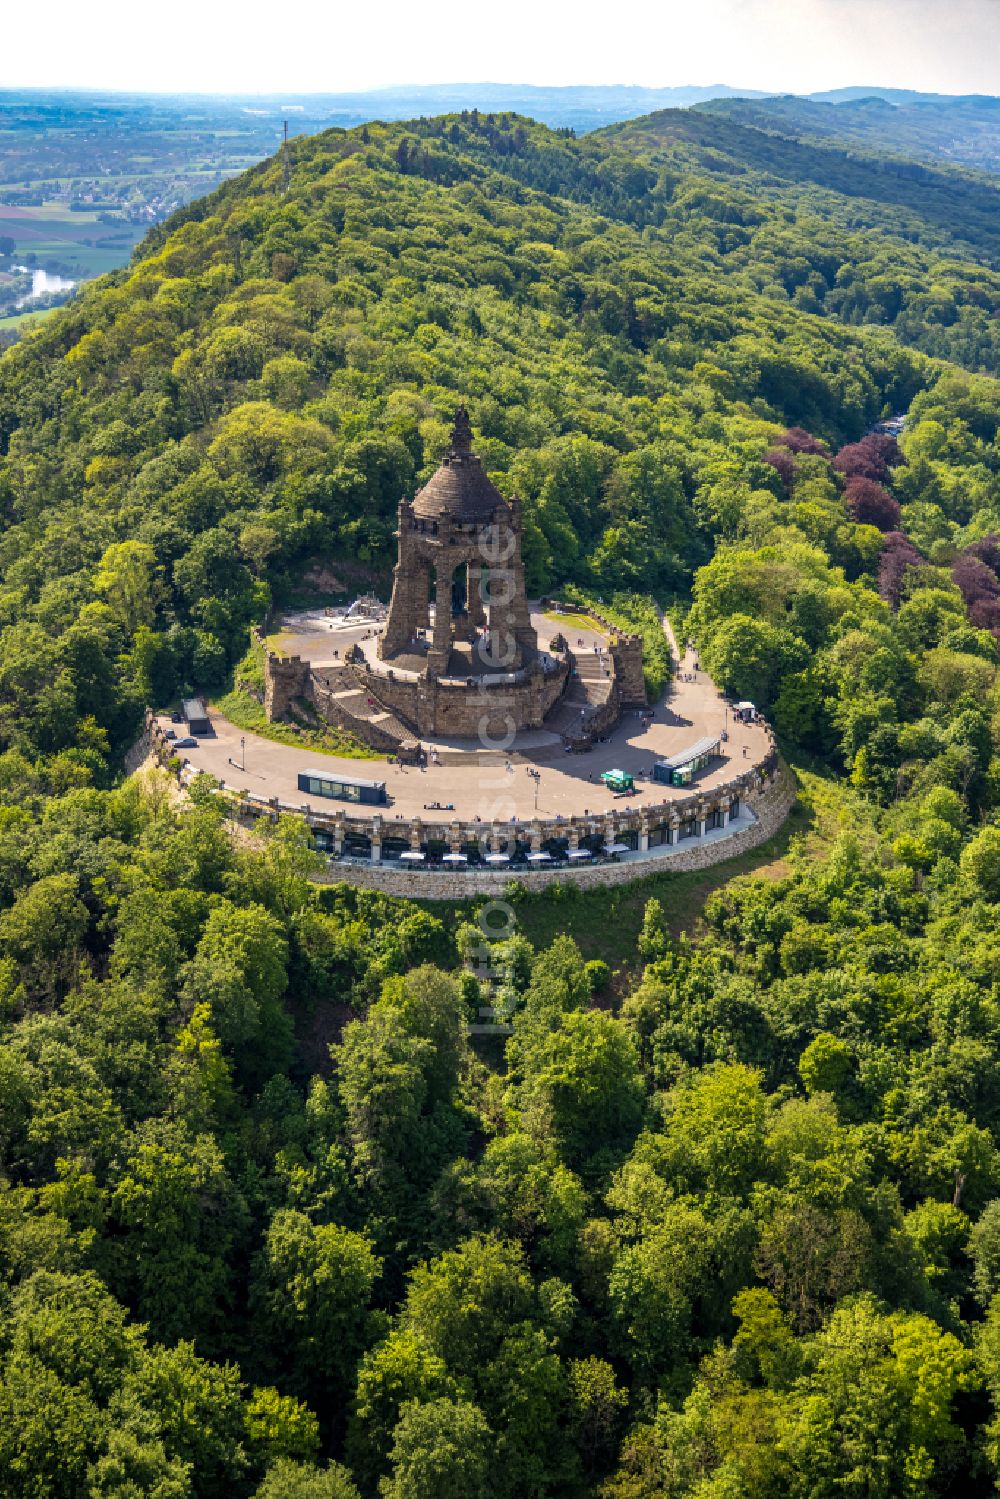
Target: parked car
<point>186,743</point>
<point>170,733</point>
<point>176,718</point>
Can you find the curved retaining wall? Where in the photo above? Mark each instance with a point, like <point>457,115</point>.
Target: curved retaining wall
<point>455,710</point>
<point>767,790</point>
<point>770,807</point>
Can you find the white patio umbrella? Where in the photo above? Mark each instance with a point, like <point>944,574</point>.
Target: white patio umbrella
<point>498,858</point>
<point>617,848</point>
<point>581,853</point>
<point>455,859</point>
<point>414,854</point>
<point>539,858</point>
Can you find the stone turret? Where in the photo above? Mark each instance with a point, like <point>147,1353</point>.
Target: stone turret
<point>285,679</point>
<point>626,653</point>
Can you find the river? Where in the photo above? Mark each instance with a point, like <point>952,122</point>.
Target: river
<point>43,284</point>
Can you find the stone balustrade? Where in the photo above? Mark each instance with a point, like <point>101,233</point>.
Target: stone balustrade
<point>771,805</point>
<point>693,831</point>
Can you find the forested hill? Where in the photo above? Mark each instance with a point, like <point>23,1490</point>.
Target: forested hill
<point>276,367</point>
<point>724,1224</point>
<point>941,204</point>
<point>632,318</point>
<point>859,235</point>
<point>964,131</point>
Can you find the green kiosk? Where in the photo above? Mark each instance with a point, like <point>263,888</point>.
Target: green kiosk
<point>618,781</point>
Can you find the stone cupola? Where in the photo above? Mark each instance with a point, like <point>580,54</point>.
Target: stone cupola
<point>459,488</point>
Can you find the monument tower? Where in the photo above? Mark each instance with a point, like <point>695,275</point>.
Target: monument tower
<point>458,657</point>
<point>460,530</point>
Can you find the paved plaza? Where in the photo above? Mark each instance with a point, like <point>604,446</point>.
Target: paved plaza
<point>539,780</point>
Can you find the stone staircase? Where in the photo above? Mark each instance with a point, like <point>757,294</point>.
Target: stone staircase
<point>583,707</point>
<point>342,701</point>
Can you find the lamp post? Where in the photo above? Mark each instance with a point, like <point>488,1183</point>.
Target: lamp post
<point>243,752</point>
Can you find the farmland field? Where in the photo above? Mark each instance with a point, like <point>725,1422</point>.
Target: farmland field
<point>15,321</point>
<point>82,178</point>
<point>72,244</point>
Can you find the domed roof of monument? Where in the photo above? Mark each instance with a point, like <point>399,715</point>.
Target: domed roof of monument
<point>460,488</point>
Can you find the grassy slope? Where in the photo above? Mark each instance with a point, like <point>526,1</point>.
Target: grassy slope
<point>18,319</point>
<point>243,706</point>
<point>247,713</point>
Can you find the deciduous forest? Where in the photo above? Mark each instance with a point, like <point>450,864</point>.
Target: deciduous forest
<point>724,1222</point>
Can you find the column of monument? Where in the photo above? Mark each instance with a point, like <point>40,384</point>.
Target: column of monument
<point>520,615</point>
<point>501,554</point>
<point>474,595</point>
<point>410,582</point>
<point>440,651</point>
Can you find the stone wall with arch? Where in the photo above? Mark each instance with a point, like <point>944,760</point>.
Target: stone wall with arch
<point>771,806</point>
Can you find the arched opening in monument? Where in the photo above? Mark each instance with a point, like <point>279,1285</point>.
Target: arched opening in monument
<point>459,591</point>
<point>357,845</point>
<point>476,574</point>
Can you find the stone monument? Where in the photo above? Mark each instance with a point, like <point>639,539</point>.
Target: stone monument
<point>460,529</point>
<point>458,655</point>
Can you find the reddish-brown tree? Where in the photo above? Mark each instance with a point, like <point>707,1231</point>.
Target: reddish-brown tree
<point>987,549</point>
<point>783,464</point>
<point>984,614</point>
<point>798,440</point>
<point>898,555</point>
<point>886,447</point>
<point>974,579</point>
<point>870,504</point>
<point>861,460</point>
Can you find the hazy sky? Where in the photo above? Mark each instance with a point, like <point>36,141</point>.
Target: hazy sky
<point>951,46</point>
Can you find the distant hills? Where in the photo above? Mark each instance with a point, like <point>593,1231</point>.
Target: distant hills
<point>891,95</point>
<point>963,130</point>
<point>581,107</point>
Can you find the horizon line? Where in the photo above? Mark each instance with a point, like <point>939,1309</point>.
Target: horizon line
<point>278,93</point>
